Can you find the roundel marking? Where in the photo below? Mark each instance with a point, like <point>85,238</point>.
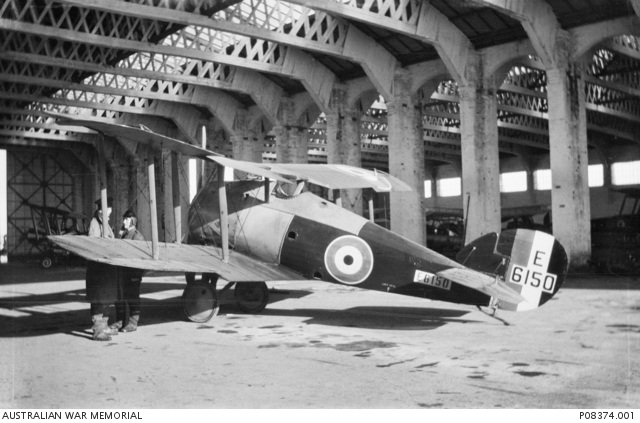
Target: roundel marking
<point>349,259</point>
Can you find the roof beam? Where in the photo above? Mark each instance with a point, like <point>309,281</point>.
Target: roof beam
<point>221,105</point>
<point>166,12</point>
<point>265,93</point>
<point>416,19</point>
<point>538,20</point>
<point>39,135</point>
<point>316,78</point>
<point>121,44</point>
<point>23,142</point>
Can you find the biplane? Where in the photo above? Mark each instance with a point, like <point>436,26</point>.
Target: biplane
<point>48,221</point>
<point>266,227</point>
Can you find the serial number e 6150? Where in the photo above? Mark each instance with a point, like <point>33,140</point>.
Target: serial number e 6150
<point>601,415</point>
<point>524,276</point>
<point>431,279</point>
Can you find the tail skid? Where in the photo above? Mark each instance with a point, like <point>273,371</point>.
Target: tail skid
<point>531,263</point>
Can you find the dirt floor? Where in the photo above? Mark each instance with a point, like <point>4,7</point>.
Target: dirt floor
<point>318,345</point>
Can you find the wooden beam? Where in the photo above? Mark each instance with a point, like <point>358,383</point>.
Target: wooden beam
<point>224,216</point>
<point>155,251</point>
<point>175,193</point>
<point>102,169</point>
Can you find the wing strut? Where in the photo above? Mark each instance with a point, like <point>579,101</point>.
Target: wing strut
<point>224,216</point>
<point>175,191</point>
<point>155,251</point>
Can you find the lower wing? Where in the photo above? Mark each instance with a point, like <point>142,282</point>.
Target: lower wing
<point>174,258</point>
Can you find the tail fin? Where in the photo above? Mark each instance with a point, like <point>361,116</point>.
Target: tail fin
<point>532,263</point>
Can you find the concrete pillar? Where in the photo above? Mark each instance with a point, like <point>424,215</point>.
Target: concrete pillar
<point>291,138</point>
<point>246,142</point>
<point>570,204</point>
<point>480,158</point>
<point>343,143</point>
<point>406,160</point>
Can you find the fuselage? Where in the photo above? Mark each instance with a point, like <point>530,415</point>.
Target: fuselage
<point>323,241</point>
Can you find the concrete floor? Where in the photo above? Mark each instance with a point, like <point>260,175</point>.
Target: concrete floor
<point>318,345</point>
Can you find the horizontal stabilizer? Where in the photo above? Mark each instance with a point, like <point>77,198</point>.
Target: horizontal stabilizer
<point>483,283</point>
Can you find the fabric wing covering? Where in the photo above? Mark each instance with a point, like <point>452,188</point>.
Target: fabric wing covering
<point>332,176</point>
<point>174,258</point>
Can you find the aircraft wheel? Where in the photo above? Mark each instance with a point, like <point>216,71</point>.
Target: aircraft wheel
<point>47,262</point>
<point>200,302</point>
<point>252,297</point>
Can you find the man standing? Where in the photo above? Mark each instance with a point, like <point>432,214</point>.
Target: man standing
<point>130,280</point>
<point>102,279</point>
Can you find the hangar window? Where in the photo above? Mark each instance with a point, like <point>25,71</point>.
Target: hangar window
<point>542,179</point>
<point>625,173</point>
<point>427,189</point>
<point>449,187</point>
<point>596,175</point>
<point>513,182</point>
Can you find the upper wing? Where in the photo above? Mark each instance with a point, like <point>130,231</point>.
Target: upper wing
<point>337,176</point>
<point>483,283</point>
<point>141,134</point>
<point>174,258</point>
<point>332,176</point>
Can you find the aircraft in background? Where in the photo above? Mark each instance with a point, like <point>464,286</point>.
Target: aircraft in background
<point>249,232</point>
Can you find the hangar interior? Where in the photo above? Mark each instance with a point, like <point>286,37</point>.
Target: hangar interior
<point>485,108</point>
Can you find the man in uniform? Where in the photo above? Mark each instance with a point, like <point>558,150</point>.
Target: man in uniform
<point>130,281</point>
<point>102,279</point>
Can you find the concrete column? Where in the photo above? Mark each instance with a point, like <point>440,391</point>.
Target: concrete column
<point>246,142</point>
<point>570,204</point>
<point>480,158</point>
<point>291,138</point>
<point>406,160</point>
<point>343,143</point>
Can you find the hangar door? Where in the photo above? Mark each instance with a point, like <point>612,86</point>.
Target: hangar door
<point>33,178</point>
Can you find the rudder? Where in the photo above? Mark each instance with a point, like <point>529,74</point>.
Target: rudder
<point>532,263</point>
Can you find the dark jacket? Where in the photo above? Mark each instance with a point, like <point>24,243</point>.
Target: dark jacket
<point>102,279</point>
<point>129,274</point>
<point>132,234</point>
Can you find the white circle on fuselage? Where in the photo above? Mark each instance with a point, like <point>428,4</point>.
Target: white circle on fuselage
<point>349,259</point>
